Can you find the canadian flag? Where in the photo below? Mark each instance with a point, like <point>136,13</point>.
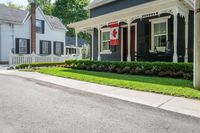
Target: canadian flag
<point>114,34</point>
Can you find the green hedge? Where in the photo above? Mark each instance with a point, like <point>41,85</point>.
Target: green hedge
<point>161,69</point>
<point>24,66</point>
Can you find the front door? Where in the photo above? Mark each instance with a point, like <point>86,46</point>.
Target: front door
<point>125,43</point>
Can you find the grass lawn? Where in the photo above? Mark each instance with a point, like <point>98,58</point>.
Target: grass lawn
<point>169,86</point>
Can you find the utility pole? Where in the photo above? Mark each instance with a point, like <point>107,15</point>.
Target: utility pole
<point>197,45</point>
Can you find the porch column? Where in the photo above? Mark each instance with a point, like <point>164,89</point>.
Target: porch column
<point>99,42</point>
<point>186,38</point>
<point>175,56</point>
<point>129,40</point>
<point>76,43</point>
<point>197,45</point>
<point>92,45</point>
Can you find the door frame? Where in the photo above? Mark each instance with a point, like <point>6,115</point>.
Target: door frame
<point>122,40</point>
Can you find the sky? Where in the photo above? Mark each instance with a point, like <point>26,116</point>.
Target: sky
<point>17,2</point>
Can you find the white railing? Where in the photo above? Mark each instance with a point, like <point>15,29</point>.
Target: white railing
<point>33,58</point>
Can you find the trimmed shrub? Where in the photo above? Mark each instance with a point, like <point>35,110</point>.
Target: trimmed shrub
<point>162,69</point>
<point>33,65</point>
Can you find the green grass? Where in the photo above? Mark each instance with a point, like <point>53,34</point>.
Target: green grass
<point>169,86</point>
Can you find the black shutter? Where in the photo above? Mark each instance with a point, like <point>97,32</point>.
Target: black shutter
<point>41,47</point>
<point>54,48</point>
<point>49,47</point>
<point>62,48</point>
<point>43,27</point>
<point>17,46</point>
<point>28,46</point>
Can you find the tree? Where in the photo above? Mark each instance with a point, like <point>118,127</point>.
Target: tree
<point>70,11</point>
<point>45,5</point>
<point>12,5</point>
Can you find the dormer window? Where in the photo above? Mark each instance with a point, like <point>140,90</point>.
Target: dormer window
<point>40,26</point>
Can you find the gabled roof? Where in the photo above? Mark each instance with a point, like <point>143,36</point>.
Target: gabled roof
<point>71,41</point>
<point>97,3</point>
<point>16,16</point>
<point>12,15</point>
<point>55,22</point>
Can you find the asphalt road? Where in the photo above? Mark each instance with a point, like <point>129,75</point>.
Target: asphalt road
<point>28,106</point>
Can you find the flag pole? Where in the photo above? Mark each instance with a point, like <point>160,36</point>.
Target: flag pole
<point>197,45</point>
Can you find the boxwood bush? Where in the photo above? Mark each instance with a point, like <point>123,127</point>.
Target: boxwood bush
<point>161,69</point>
<point>24,66</point>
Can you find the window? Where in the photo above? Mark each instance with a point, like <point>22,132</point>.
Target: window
<point>159,34</point>
<point>39,26</point>
<point>45,47</point>
<point>70,51</point>
<point>105,45</point>
<point>58,48</point>
<point>23,46</point>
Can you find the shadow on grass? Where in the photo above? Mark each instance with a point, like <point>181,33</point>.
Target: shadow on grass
<point>137,78</point>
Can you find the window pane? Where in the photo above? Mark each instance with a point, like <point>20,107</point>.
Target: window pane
<point>39,26</point>
<point>45,49</point>
<point>156,41</point>
<point>58,48</point>
<point>156,29</point>
<point>163,41</point>
<point>106,46</point>
<point>106,35</point>
<point>23,46</point>
<point>163,28</point>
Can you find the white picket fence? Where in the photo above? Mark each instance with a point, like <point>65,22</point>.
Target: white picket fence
<point>33,58</point>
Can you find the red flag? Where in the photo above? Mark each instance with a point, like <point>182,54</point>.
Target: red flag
<point>114,34</point>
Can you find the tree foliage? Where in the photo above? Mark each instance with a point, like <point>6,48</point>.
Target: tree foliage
<point>12,5</point>
<point>70,11</point>
<point>45,5</point>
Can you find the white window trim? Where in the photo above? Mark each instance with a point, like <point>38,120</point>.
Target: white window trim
<point>104,51</point>
<point>156,21</point>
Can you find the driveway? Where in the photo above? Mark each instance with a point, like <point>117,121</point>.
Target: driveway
<point>29,106</point>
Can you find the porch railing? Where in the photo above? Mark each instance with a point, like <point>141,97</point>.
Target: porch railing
<point>15,59</point>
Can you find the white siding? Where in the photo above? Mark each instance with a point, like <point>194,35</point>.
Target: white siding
<point>49,34</point>
<point>23,31</point>
<point>6,41</point>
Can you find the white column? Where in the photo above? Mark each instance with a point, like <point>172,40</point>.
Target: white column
<point>129,41</point>
<point>92,44</point>
<point>122,43</point>
<point>186,38</point>
<point>175,56</point>
<point>197,46</point>
<point>76,43</point>
<point>99,43</point>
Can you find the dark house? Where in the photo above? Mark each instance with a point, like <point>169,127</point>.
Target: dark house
<point>143,30</point>
<point>71,45</point>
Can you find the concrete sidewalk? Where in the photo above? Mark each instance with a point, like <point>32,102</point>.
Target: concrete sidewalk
<point>170,103</point>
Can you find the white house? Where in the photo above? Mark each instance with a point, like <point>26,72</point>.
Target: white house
<point>26,32</point>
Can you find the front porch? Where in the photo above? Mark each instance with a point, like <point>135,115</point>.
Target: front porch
<point>156,31</point>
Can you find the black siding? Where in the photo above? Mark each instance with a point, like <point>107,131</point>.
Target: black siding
<point>115,6</point>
